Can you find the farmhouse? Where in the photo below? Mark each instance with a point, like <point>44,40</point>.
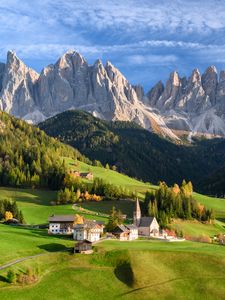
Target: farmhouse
<point>147,226</point>
<point>88,175</point>
<point>89,230</point>
<point>61,224</point>
<point>126,232</point>
<point>84,247</point>
<point>84,175</point>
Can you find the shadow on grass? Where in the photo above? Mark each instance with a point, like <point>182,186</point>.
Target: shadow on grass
<point>53,247</point>
<point>125,273</point>
<point>36,196</point>
<point>222,220</point>
<point>3,279</point>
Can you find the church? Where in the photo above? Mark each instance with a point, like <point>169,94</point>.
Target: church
<point>147,226</point>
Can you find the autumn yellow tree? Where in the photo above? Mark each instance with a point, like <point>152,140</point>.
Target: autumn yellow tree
<point>8,215</point>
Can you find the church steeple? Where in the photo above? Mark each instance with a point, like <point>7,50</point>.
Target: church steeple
<point>137,214</point>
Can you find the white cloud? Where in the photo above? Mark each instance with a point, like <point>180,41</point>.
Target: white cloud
<point>151,59</point>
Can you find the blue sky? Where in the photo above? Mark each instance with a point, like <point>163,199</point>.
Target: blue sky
<point>146,40</point>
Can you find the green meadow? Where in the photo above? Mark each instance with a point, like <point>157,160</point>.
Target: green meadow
<point>117,270</point>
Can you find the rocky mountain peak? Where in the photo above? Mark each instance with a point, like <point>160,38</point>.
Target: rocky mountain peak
<point>222,76</point>
<point>195,77</point>
<point>209,82</point>
<point>174,79</point>
<point>139,91</point>
<point>196,104</point>
<point>154,94</point>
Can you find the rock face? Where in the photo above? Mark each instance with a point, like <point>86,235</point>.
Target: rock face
<point>17,86</point>
<point>196,104</point>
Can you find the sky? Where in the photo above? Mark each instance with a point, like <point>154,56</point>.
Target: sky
<point>145,39</point>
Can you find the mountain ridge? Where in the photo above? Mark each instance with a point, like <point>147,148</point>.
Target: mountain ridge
<point>193,106</point>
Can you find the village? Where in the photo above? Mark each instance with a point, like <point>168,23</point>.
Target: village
<point>87,232</point>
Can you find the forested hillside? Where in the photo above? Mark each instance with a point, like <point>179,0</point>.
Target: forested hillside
<point>214,184</point>
<point>28,157</point>
<point>136,151</point>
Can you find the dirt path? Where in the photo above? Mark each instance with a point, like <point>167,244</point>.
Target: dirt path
<point>19,260</point>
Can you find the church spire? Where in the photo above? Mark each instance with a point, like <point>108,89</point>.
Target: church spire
<point>137,214</point>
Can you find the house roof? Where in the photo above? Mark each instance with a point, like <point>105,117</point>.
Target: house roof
<point>61,218</point>
<point>146,221</point>
<point>85,173</point>
<point>120,228</point>
<point>88,224</point>
<point>131,226</point>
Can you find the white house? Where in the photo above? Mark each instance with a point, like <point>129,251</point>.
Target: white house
<point>61,224</point>
<point>89,230</point>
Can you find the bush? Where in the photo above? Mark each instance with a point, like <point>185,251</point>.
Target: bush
<point>10,276</point>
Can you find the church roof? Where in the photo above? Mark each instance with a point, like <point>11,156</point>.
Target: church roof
<point>146,221</point>
<point>131,226</point>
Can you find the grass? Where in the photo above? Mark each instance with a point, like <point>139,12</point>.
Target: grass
<point>195,228</point>
<point>17,242</point>
<point>36,204</point>
<point>123,270</point>
<point>218,204</point>
<point>112,177</point>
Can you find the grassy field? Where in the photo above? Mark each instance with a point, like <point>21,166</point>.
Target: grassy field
<point>19,242</point>
<point>217,204</point>
<point>118,270</point>
<point>112,177</point>
<point>195,228</point>
<point>36,205</point>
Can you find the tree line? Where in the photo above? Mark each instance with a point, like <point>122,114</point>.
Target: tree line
<point>177,201</point>
<point>77,190</point>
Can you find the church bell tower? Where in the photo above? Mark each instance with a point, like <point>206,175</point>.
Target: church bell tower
<point>137,214</point>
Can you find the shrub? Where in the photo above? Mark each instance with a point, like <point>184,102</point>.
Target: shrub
<point>10,276</point>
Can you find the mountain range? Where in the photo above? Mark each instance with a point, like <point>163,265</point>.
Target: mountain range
<point>183,106</point>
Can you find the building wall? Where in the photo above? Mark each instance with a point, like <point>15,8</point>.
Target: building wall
<point>84,234</point>
<point>144,231</point>
<point>133,234</point>
<point>154,227</point>
<point>60,228</point>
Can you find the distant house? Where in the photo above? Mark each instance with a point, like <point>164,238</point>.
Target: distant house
<point>61,224</point>
<point>84,247</point>
<point>147,226</point>
<point>88,175</point>
<point>90,230</point>
<point>125,232</point>
<point>84,175</point>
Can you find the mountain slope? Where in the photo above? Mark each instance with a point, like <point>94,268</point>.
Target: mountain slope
<point>136,151</point>
<point>28,157</point>
<point>214,184</point>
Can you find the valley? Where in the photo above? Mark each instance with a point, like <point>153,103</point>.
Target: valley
<point>117,268</point>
